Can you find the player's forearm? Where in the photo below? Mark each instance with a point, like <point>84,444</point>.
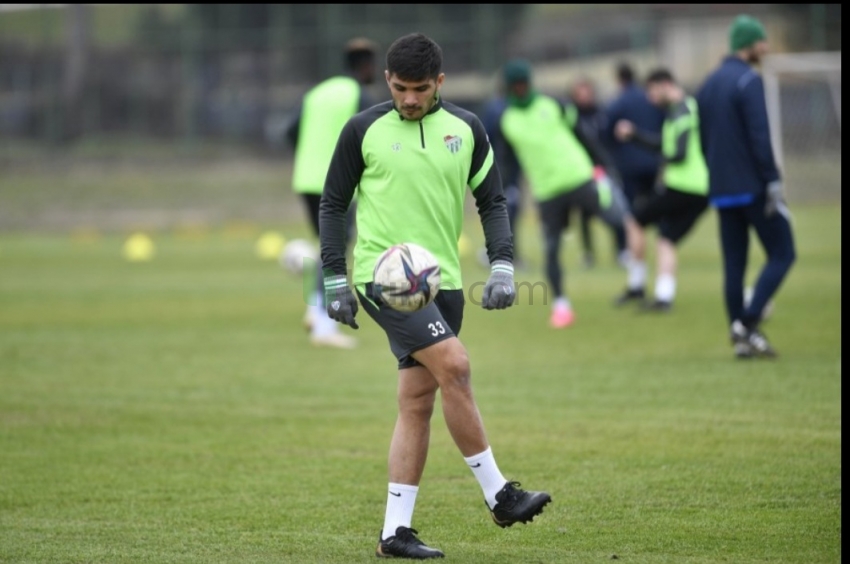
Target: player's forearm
<point>332,235</point>
<point>647,139</point>
<point>493,211</point>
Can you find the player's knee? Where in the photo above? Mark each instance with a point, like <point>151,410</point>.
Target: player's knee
<point>421,407</point>
<point>788,259</point>
<point>785,256</point>
<point>455,369</point>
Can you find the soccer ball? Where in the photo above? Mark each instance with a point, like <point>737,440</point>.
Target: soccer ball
<point>295,253</point>
<point>406,277</point>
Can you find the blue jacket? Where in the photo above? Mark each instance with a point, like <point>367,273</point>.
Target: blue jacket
<point>630,158</point>
<point>735,134</point>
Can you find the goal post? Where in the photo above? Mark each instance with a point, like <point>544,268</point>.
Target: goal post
<point>803,95</point>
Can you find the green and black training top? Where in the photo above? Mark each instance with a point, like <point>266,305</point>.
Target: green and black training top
<point>411,179</point>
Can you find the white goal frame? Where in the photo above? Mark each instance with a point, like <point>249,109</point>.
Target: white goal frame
<point>824,63</point>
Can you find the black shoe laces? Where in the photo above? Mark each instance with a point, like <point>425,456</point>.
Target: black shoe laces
<point>512,494</point>
<point>409,535</point>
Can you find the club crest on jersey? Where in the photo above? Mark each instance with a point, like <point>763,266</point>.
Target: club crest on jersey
<point>453,143</point>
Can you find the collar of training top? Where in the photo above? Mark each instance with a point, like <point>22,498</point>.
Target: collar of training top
<point>434,109</point>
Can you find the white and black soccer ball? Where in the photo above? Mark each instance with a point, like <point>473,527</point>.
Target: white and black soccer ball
<point>296,253</point>
<point>406,277</point>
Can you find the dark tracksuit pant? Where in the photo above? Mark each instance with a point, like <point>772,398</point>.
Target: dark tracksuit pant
<point>778,243</point>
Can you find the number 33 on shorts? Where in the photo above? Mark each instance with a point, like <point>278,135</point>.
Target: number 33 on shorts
<point>436,328</point>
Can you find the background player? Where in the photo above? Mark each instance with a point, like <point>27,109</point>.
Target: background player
<point>683,195</point>
<point>323,111</point>
<point>553,154</point>
<point>744,182</point>
<point>637,166</point>
<point>411,160</point>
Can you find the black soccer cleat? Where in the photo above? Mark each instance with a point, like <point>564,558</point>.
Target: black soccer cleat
<point>405,544</point>
<point>629,296</point>
<point>750,343</point>
<point>514,505</point>
<point>759,344</point>
<point>739,336</point>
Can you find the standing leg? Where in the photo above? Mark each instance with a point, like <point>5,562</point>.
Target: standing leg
<point>554,215</point>
<point>617,215</point>
<point>735,246</point>
<point>665,276</point>
<point>776,237</point>
<point>679,212</point>
<point>417,390</point>
<point>589,257</point>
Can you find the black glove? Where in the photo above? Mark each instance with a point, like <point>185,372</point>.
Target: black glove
<point>499,291</point>
<point>340,301</point>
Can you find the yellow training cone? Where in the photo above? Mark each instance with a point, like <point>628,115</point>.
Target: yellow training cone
<point>138,248</point>
<point>269,245</point>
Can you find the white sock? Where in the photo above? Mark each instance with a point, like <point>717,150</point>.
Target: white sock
<point>400,501</point>
<point>491,480</point>
<point>561,302</point>
<point>636,274</point>
<point>665,288</point>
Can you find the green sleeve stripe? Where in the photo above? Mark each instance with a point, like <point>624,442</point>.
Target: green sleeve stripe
<point>483,171</point>
<point>502,268</point>
<point>336,282</point>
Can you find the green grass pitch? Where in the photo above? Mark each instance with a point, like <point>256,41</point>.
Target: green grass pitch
<point>173,412</point>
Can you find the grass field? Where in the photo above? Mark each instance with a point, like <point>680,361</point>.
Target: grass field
<point>173,411</point>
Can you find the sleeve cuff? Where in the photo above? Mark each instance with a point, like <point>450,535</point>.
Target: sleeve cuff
<point>502,266</point>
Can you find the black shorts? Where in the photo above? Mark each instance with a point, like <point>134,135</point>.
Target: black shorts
<point>410,332</point>
<point>675,212</point>
<point>638,188</point>
<point>555,212</point>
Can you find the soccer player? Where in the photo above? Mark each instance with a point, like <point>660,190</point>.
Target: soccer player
<point>684,194</point>
<point>410,161</point>
<point>553,154</point>
<point>591,120</point>
<point>638,166</point>
<point>323,111</point>
<point>744,182</point>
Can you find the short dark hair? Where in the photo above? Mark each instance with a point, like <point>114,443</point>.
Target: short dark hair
<point>359,51</point>
<point>659,75</point>
<point>625,74</point>
<point>355,59</point>
<point>415,57</point>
